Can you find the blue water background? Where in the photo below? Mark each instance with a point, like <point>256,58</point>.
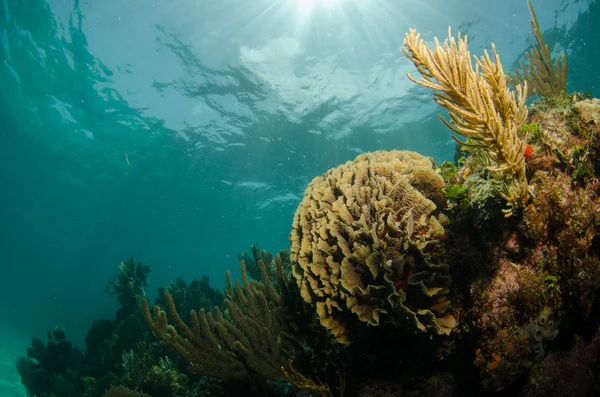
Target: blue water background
<point>180,132</point>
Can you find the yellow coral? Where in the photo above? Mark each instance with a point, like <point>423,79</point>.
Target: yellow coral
<point>482,107</point>
<point>364,244</point>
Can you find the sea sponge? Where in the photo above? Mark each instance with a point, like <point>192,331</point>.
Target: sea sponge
<point>543,330</point>
<point>365,244</point>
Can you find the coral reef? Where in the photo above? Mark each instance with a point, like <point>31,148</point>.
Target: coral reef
<point>365,245</point>
<point>526,278</point>
<point>402,279</point>
<point>521,276</point>
<point>112,347</point>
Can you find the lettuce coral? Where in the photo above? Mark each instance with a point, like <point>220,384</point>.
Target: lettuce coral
<point>365,244</point>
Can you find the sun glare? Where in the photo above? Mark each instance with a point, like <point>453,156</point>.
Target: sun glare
<point>307,6</point>
<point>305,10</point>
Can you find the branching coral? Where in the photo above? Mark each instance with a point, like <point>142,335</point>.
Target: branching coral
<point>365,245</point>
<point>543,76</point>
<point>482,107</point>
<point>129,286</point>
<point>252,262</point>
<point>228,349</point>
<point>193,296</point>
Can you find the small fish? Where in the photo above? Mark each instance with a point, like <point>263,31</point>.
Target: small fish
<point>127,159</point>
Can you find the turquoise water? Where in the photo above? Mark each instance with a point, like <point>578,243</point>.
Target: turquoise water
<point>182,132</point>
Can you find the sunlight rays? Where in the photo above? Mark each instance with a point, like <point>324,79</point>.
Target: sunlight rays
<point>305,8</point>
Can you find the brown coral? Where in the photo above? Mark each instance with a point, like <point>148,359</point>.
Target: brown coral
<point>365,244</point>
<point>224,348</point>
